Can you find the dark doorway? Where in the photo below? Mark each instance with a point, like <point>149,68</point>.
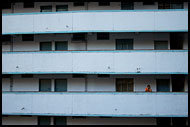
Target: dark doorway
<point>163,85</point>
<point>176,40</point>
<point>163,121</point>
<point>181,121</point>
<point>178,83</point>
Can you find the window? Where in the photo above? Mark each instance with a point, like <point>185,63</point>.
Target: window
<point>162,5</point>
<point>148,3</point>
<point>61,45</point>
<point>61,7</point>
<point>124,44</point>
<point>46,8</point>
<point>60,120</point>
<point>163,85</point>
<point>177,5</point>
<point>28,4</point>
<point>127,6</point>
<point>45,46</point>
<point>79,75</point>
<point>78,3</point>
<point>6,38</point>
<point>178,83</point>
<point>104,3</point>
<point>79,37</point>
<point>124,85</point>
<point>44,120</point>
<point>27,37</point>
<point>159,45</point>
<point>27,75</point>
<point>6,75</point>
<point>45,85</point>
<point>60,85</point>
<point>163,121</point>
<point>103,75</point>
<point>102,36</point>
<point>6,5</point>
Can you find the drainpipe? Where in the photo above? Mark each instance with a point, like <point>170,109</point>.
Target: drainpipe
<point>86,83</point>
<point>11,83</point>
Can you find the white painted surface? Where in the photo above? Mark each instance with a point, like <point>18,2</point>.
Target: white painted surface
<point>109,104</point>
<point>96,21</point>
<point>96,62</point>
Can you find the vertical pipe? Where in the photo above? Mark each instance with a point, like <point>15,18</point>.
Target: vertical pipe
<point>11,83</point>
<point>86,83</point>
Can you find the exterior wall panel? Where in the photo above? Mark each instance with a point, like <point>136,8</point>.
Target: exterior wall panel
<point>96,104</point>
<point>112,21</point>
<point>154,62</point>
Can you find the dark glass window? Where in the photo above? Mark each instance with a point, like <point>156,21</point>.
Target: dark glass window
<point>124,44</point>
<point>61,45</point>
<point>124,85</point>
<point>6,38</point>
<point>60,120</point>
<point>46,8</point>
<point>127,6</point>
<point>60,85</point>
<point>163,85</point>
<point>104,3</point>
<point>148,3</point>
<point>79,37</point>
<point>28,4</point>
<point>102,36</point>
<point>159,45</point>
<point>79,75</point>
<point>61,7</point>
<point>45,46</point>
<point>103,75</point>
<point>44,120</point>
<point>177,5</point>
<point>78,3</point>
<point>45,85</point>
<point>163,5</point>
<point>27,75</point>
<point>6,5</point>
<point>27,37</point>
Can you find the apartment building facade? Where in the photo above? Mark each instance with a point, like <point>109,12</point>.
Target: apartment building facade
<point>88,63</point>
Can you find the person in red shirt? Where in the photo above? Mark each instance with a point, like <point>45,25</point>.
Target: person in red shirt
<point>148,89</point>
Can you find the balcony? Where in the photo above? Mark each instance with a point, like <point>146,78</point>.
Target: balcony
<point>96,21</point>
<point>95,104</point>
<point>96,62</point>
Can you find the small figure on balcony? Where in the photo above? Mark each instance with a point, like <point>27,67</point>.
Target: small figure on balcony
<point>148,89</point>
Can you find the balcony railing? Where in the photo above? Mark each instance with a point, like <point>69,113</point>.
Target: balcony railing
<point>167,20</point>
<point>115,104</point>
<point>96,62</point>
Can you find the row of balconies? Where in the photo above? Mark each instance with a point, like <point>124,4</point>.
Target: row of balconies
<point>95,104</point>
<point>96,62</point>
<point>96,21</point>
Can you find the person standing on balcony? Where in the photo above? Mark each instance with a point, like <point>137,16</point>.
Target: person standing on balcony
<point>148,89</point>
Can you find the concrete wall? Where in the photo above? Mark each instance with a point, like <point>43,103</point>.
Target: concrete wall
<point>109,62</point>
<point>113,21</point>
<point>18,120</point>
<point>18,7</point>
<point>96,104</point>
